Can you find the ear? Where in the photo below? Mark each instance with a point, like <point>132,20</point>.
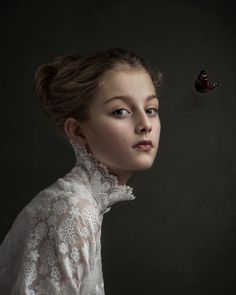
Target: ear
<point>74,132</point>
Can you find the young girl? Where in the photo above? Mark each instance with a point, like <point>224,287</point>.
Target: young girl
<point>105,104</point>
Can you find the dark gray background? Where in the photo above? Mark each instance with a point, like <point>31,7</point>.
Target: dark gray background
<point>178,235</point>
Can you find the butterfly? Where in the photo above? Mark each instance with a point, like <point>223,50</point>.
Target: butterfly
<point>202,84</point>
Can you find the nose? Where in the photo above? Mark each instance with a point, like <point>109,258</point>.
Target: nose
<point>144,124</point>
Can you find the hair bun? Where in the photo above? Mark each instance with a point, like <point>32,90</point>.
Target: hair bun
<point>43,77</point>
<point>61,61</point>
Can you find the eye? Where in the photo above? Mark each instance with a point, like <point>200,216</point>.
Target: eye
<point>118,110</point>
<point>156,110</point>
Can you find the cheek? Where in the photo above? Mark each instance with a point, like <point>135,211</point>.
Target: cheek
<point>109,132</point>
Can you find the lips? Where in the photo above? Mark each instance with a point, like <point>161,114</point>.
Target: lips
<point>144,142</point>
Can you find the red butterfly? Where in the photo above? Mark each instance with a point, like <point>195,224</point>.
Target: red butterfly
<point>202,84</point>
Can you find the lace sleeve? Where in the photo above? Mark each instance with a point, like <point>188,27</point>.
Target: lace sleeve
<point>60,250</point>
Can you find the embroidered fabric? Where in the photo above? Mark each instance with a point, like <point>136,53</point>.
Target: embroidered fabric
<point>53,246</point>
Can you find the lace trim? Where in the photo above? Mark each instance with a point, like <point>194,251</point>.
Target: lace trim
<point>110,185</point>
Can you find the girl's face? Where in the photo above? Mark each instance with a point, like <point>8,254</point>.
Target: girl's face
<point>116,125</point>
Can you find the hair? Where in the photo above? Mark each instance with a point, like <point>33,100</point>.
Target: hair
<point>67,85</point>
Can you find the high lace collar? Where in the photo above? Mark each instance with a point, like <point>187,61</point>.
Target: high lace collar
<point>104,186</point>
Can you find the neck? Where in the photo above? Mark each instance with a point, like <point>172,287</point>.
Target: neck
<point>123,177</point>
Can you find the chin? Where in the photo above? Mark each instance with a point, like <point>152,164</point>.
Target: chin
<point>143,165</point>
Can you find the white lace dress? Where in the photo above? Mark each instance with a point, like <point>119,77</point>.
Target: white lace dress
<point>54,245</point>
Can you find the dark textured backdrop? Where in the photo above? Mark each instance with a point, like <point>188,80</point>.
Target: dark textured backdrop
<point>178,235</point>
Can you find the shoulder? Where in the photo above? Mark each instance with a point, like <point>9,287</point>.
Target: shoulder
<point>64,200</point>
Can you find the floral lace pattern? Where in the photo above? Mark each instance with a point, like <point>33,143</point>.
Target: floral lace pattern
<point>53,247</point>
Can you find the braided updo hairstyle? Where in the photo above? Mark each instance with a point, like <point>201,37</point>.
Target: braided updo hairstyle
<point>67,85</point>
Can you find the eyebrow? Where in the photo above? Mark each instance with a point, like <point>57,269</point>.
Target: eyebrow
<point>128,98</point>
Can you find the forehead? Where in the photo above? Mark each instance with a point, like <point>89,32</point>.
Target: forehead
<point>126,82</point>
